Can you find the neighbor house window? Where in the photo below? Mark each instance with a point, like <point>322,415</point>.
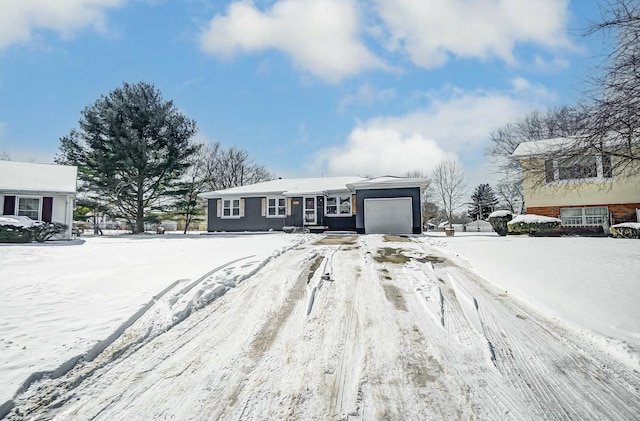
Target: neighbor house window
<point>231,208</point>
<point>29,206</point>
<point>585,167</point>
<point>339,205</point>
<point>592,216</point>
<point>276,206</point>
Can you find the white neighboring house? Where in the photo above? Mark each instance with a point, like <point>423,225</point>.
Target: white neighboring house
<point>43,192</point>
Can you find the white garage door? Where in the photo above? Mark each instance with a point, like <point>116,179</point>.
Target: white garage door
<point>388,216</point>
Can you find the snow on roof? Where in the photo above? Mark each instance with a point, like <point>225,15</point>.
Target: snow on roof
<point>29,177</point>
<point>388,182</point>
<point>541,147</point>
<point>499,213</point>
<point>532,219</point>
<point>288,187</point>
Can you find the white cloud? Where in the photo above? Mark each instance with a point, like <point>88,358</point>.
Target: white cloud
<point>430,31</point>
<point>320,36</point>
<point>372,150</point>
<point>366,95</point>
<point>20,19</point>
<point>548,66</point>
<point>456,124</point>
<point>524,87</point>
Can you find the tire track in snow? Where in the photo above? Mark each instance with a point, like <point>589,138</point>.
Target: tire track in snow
<point>558,374</point>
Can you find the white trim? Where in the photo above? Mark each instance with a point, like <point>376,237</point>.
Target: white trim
<point>304,210</point>
<point>229,204</point>
<point>584,218</point>
<point>338,205</point>
<point>16,208</point>
<point>557,167</point>
<point>277,206</point>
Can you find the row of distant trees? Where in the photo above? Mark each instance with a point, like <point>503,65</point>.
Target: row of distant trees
<point>136,157</point>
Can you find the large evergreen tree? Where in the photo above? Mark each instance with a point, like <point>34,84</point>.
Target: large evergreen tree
<point>131,148</point>
<point>483,201</point>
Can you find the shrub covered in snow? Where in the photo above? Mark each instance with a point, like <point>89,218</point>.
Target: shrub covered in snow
<point>499,220</point>
<point>533,224</point>
<point>626,230</point>
<point>21,229</point>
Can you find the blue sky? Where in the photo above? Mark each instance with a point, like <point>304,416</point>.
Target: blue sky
<point>307,87</point>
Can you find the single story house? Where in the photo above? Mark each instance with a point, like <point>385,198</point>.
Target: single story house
<point>586,194</point>
<point>388,205</point>
<point>43,192</point>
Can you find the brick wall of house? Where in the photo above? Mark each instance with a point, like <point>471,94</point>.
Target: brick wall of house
<point>625,212</point>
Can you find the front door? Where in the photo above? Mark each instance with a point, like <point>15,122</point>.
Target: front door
<point>310,216</point>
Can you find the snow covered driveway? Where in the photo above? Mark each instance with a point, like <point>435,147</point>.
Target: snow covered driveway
<point>345,328</point>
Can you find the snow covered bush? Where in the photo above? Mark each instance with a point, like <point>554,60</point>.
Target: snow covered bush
<point>533,225</point>
<point>499,220</point>
<point>626,230</point>
<point>21,229</point>
<point>15,234</point>
<point>46,230</point>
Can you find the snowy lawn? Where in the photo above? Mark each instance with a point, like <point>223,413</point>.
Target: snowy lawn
<point>349,327</point>
<point>591,283</point>
<point>59,298</point>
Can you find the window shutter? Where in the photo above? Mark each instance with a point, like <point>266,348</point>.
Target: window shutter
<point>241,208</point>
<point>264,206</point>
<point>353,204</point>
<point>288,206</point>
<point>47,209</point>
<point>219,210</point>
<point>9,205</point>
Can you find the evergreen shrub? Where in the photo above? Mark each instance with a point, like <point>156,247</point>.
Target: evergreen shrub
<point>625,231</point>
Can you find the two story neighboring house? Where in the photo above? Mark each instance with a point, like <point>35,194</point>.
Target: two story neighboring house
<point>584,192</point>
<point>379,205</point>
<point>43,192</point>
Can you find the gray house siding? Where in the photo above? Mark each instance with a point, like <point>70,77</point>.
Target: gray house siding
<point>251,221</point>
<point>413,192</point>
<point>340,223</point>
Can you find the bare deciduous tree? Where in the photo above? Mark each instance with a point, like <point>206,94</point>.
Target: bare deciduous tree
<point>613,126</point>
<point>510,194</point>
<point>192,183</point>
<point>429,208</point>
<point>226,168</point>
<point>605,126</point>
<point>448,184</point>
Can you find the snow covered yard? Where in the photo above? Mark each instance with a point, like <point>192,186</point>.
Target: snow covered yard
<point>359,327</point>
<point>591,283</point>
<point>60,298</point>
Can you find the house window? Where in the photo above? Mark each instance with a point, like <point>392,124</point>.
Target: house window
<point>231,208</point>
<point>579,217</point>
<point>577,168</point>
<point>276,207</point>
<point>586,167</point>
<point>29,206</point>
<point>338,205</point>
